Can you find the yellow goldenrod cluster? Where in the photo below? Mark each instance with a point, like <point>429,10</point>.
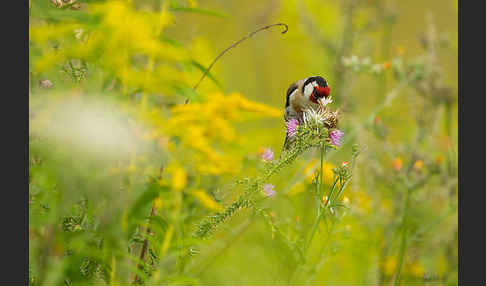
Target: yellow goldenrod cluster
<point>207,201</point>
<point>206,128</point>
<point>130,49</point>
<point>199,138</point>
<point>178,176</point>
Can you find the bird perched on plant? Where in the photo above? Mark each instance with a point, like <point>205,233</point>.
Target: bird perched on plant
<point>309,93</point>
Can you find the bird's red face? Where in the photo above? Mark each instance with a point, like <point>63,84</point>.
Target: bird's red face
<point>319,92</point>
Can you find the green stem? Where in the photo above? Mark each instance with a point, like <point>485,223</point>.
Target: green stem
<point>321,256</point>
<point>403,243</point>
<point>308,242</point>
<point>385,54</point>
<point>318,216</point>
<point>313,231</point>
<point>342,185</point>
<point>448,127</point>
<point>317,219</point>
<point>332,190</point>
<point>323,150</point>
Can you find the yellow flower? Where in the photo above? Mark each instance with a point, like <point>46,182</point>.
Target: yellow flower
<point>207,201</point>
<point>192,3</point>
<point>397,163</point>
<point>179,178</point>
<point>158,203</point>
<point>328,173</point>
<point>389,265</point>
<point>386,65</point>
<point>363,202</point>
<point>418,165</point>
<point>327,167</point>
<point>208,129</point>
<point>416,269</point>
<point>49,60</point>
<point>114,43</point>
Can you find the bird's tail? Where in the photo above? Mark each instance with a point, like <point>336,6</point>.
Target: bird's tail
<point>285,145</point>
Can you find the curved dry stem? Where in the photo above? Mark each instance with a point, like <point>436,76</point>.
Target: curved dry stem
<point>234,45</point>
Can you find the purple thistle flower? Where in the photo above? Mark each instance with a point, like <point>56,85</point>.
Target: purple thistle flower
<point>267,154</point>
<point>335,136</point>
<point>268,190</point>
<point>292,125</point>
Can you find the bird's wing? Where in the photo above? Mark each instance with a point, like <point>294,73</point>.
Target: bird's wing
<point>286,144</point>
<point>289,111</point>
<point>291,89</point>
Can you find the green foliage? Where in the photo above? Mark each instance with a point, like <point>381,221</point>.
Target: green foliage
<point>128,185</point>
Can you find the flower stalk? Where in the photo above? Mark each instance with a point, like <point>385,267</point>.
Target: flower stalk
<point>403,241</point>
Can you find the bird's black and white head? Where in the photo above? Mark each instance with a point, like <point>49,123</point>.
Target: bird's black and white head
<point>315,88</point>
<point>309,92</point>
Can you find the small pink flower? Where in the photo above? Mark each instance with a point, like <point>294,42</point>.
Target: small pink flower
<point>268,189</point>
<point>292,125</point>
<point>335,136</point>
<point>267,155</point>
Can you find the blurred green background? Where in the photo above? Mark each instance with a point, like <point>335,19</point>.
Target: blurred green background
<point>114,150</point>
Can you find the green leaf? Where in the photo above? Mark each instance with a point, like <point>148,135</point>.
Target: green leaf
<point>159,222</point>
<point>188,92</point>
<point>171,42</point>
<point>145,198</point>
<point>204,69</point>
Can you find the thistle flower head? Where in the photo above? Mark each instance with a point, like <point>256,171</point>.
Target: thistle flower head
<point>325,101</point>
<point>292,125</point>
<point>320,117</point>
<point>313,118</point>
<point>268,189</point>
<point>335,136</point>
<point>267,155</point>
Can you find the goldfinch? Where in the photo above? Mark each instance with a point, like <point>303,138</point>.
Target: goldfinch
<point>309,93</point>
